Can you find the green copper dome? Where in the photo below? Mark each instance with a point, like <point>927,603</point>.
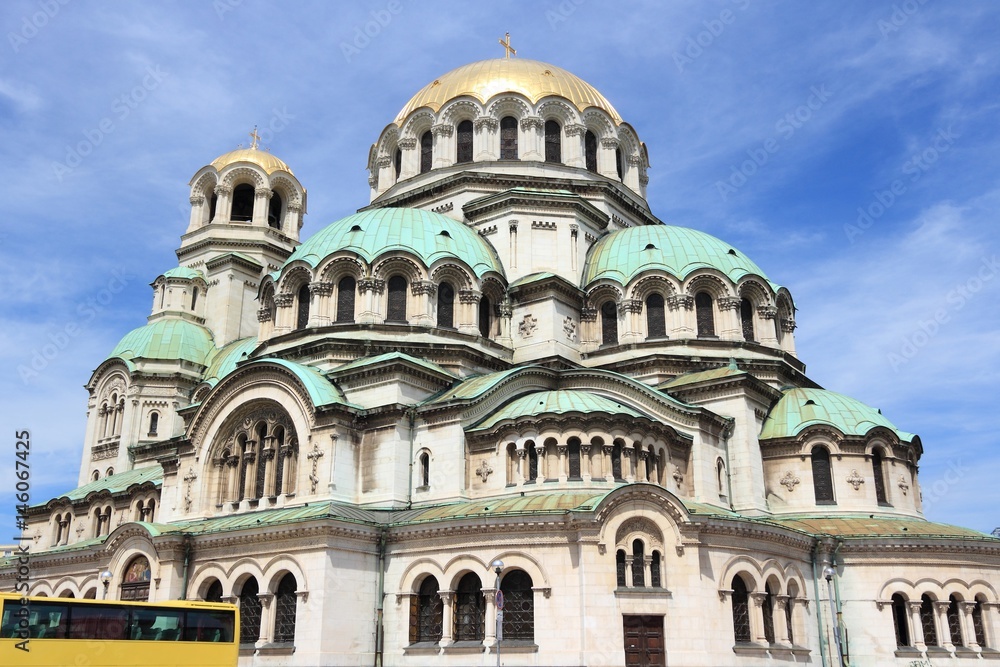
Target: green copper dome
<point>223,362</point>
<point>166,339</point>
<point>429,236</point>
<point>799,409</point>
<point>622,255</point>
<point>184,272</point>
<point>560,401</point>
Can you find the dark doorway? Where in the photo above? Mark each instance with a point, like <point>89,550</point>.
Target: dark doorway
<point>644,641</point>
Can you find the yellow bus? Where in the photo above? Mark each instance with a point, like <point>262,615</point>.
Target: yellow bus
<point>36,631</point>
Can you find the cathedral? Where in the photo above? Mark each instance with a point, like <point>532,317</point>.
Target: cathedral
<point>503,408</point>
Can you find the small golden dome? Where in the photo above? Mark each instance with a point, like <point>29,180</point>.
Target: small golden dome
<point>262,159</point>
<point>486,78</point>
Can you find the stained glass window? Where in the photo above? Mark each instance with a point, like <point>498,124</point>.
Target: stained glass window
<point>250,607</point>
<point>398,161</point>
<point>396,311</point>
<point>303,314</point>
<point>822,478</point>
<point>878,474</point>
<point>508,138</point>
<point>927,621</point>
<point>345,299</point>
<point>654,571</point>
<point>609,323</point>
<point>954,622</point>
<point>746,318</point>
<point>464,141</point>
<point>532,462</point>
<point>426,151</point>
<point>767,607</point>
<point>741,611</point>
<point>899,620</point>
<point>485,316</point>
<point>616,462</point>
<point>284,610</point>
<point>553,141</point>
<point>977,624</point>
<point>590,150</point>
<point>214,592</point>
<point>470,609</point>
<point>620,563</point>
<point>704,314</point>
<point>656,320</point>
<point>446,306</point>
<point>638,565</point>
<point>519,606</point>
<point>574,458</point>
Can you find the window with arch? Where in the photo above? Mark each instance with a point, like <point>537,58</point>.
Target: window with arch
<point>553,141</point>
<point>109,472</point>
<point>90,594</point>
<point>609,323</point>
<point>396,304</point>
<point>573,451</point>
<point>616,461</point>
<point>346,287</point>
<point>194,297</point>
<point>470,609</point>
<point>822,476</point>
<point>94,476</point>
<point>262,455</point>
<point>767,609</point>
<point>446,306</point>
<point>619,164</point>
<point>638,565</point>
<point>741,611</point>
<point>250,611</point>
<point>532,456</point>
<point>464,153</point>
<point>746,319</point>
<point>720,476</point>
<point>284,610</point>
<point>977,623</point>
<point>656,317</point>
<point>302,305</point>
<point>397,162</point>
<point>426,612</point>
<point>214,591</point>
<point>212,204</point>
<point>590,150</point>
<point>263,458</point>
<point>154,422</point>
<point>508,138</point>
<point>426,151</point>
<point>519,606</point>
<point>274,207</point>
<point>621,567</point>
<point>242,208</point>
<point>485,316</point>
<point>655,579</point>
<point>954,622</point>
<point>135,580</point>
<point>425,470</point>
<point>704,314</point>
<point>878,472</point>
<point>927,622</point>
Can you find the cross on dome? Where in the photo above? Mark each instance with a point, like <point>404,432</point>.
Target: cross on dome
<point>255,137</point>
<point>505,43</point>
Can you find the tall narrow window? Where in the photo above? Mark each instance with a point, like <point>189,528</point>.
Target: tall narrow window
<point>590,150</point>
<point>621,568</point>
<point>793,590</point>
<point>250,607</point>
<point>616,462</point>
<point>396,310</point>
<point>214,592</point>
<point>704,314</point>
<point>767,609</point>
<point>954,622</point>
<point>194,298</point>
<point>573,447</point>
<point>553,141</point>
<point>741,611</point>
<point>446,306</point>
<point>284,610</point>
<point>470,609</point>
<point>279,460</point>
<point>426,613</point>
<point>426,151</point>
<point>609,323</point>
<point>878,474</point>
<point>425,470</point>
<point>619,165</point>
<point>274,211</point>
<point>532,463</point>
<point>927,620</point>
<point>746,319</point>
<point>242,203</point>
<point>638,565</point>
<point>977,624</point>
<point>212,203</point>
<point>508,138</point>
<point>154,422</point>
<point>899,620</point>
<point>464,141</point>
<point>261,436</point>
<point>822,478</point>
<point>654,570</point>
<point>397,160</point>
<point>485,316</point>
<point>519,606</point>
<point>302,318</point>
<point>346,287</point>
<point>656,317</point>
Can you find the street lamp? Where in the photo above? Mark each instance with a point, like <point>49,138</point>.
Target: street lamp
<point>106,580</point>
<point>829,572</point>
<point>497,566</point>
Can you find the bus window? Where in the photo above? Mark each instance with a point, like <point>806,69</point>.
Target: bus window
<point>98,622</point>
<point>208,626</point>
<point>158,624</point>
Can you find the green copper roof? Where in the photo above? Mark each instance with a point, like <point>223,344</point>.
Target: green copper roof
<point>560,401</point>
<point>321,391</point>
<point>874,526</point>
<point>539,503</point>
<point>117,483</point>
<point>475,386</point>
<point>429,236</point>
<point>622,255</point>
<point>800,408</point>
<point>700,376</point>
<point>365,362</point>
<point>223,362</point>
<point>183,272</point>
<point>166,338</point>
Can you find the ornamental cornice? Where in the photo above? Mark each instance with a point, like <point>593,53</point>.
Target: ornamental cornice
<point>407,143</point>
<point>321,288</point>
<point>529,122</point>
<point>383,162</point>
<point>678,301</point>
<point>575,129</point>
<point>263,192</point>
<point>442,130</point>
<point>196,200</point>
<point>486,122</point>
<point>610,142</point>
<point>729,303</point>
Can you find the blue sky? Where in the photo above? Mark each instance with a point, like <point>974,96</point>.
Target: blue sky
<point>850,148</point>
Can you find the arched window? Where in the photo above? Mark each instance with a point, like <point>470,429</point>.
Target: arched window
<point>822,478</point>
<point>746,318</point>
<point>470,609</point>
<point>616,462</point>
<point>94,476</point>
<point>302,318</point>
<point>977,623</point>
<point>212,203</point>
<point>620,568</point>
<point>397,161</point>
<point>879,475</point>
<point>108,473</point>
<point>284,456</point>
<point>260,433</point>
<point>590,150</point>
<point>214,591</point>
<point>609,323</point>
<point>91,594</point>
<point>741,611</point>
<point>242,203</point>
<point>250,607</point>
<point>573,449</point>
<point>149,513</point>
<point>135,580</point>
<point>464,142</point>
<point>66,594</point>
<point>954,622</point>
<point>654,571</point>
<point>284,610</point>
<point>485,316</point>
<point>532,463</point>
<point>638,565</point>
<point>508,138</point>
<point>519,606</point>
<point>704,314</point>
<point>426,613</point>
<point>793,591</point>
<point>274,211</point>
<point>656,317</point>
<point>154,421</point>
<point>194,298</point>
<point>426,151</point>
<point>446,306</point>
<point>619,165</point>
<point>767,608</point>
<point>553,141</point>
<point>345,299</point>
<point>396,305</point>
<point>425,470</point>
<point>927,620</point>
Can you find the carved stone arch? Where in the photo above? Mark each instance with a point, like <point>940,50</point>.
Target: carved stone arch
<point>771,571</point>
<point>958,588</point>
<point>655,503</point>
<point>602,292</point>
<point>201,393</point>
<point>293,278</point>
<point>241,570</point>
<point>205,185</point>
<point>666,286</point>
<point>755,291</point>
<point>248,420</point>
<point>419,122</point>
<point>278,567</point>
<point>493,287</point>
<point>558,110</point>
<point>821,435</point>
<point>416,571</point>
<point>42,589</point>
<point>249,175</point>
<point>598,122</point>
<point>712,283</point>
<point>206,572</point>
<point>981,587</point>
<point>388,265</point>
<point>387,144</point>
<point>456,274</point>
<point>334,268</point>
<point>903,586</point>
<point>639,527</point>
<point>629,141</point>
<point>930,587</point>
<point>794,575</point>
<point>742,565</point>
<point>67,583</point>
<point>459,566</point>
<point>287,189</point>
<point>519,560</point>
<point>458,110</point>
<point>507,104</point>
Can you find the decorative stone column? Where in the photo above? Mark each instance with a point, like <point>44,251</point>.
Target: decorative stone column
<point>573,148</point>
<point>757,619</point>
<point>293,219</point>
<point>266,614</point>
<point>506,312</point>
<point>532,138</point>
<point>223,204</point>
<point>487,138</point>
<point>467,320</point>
<point>968,627</point>
<point>410,159</point>
<point>767,334</point>
<point>680,307</point>
<point>319,308</point>
<point>197,212</point>
<point>386,177</point>
<point>561,451</point>
<point>250,474</point>
<point>730,326</point>
<point>633,163</point>
<point>447,616</point>
<point>782,633</point>
<point>916,626</point>
<point>423,292</point>
<point>519,464</point>
<point>261,201</point>
<point>944,627</point>
<point>607,161</point>
<point>608,466</point>
<point>631,310</point>
<point>287,470</point>
<point>284,317</point>
<point>586,464</point>
<point>491,616</point>
<point>232,478</point>
<point>642,471</point>
<point>588,328</point>
<point>268,453</point>
<point>444,145</point>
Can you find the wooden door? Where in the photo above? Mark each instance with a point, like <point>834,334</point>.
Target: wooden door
<point>644,641</point>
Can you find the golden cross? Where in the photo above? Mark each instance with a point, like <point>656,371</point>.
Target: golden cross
<point>255,137</point>
<point>505,43</point>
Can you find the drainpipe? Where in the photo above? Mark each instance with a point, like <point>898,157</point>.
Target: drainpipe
<point>187,563</point>
<point>819,607</point>
<point>411,416</point>
<point>729,468</point>
<point>844,649</point>
<point>379,629</point>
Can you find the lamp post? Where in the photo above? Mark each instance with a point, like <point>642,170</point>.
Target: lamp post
<point>497,566</point>
<point>105,578</point>
<point>828,572</point>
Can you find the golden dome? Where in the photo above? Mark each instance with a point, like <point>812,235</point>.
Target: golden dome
<point>262,159</point>
<point>486,78</point>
